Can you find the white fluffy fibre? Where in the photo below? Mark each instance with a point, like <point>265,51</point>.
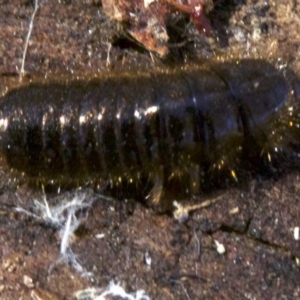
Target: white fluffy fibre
<point>112,290</point>
<point>64,217</point>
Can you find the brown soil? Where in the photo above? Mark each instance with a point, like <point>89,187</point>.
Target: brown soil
<point>255,224</point>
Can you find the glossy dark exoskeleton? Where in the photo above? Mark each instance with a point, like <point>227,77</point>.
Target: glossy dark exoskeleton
<point>164,134</point>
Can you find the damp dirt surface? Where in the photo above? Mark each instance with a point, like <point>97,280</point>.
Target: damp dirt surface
<point>244,246</point>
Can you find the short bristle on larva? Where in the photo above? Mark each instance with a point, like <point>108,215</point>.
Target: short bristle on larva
<point>155,136</point>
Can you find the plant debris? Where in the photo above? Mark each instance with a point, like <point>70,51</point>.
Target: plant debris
<point>146,20</point>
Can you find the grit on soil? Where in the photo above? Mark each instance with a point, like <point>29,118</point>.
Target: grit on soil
<point>244,246</point>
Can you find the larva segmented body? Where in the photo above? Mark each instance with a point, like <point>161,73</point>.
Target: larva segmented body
<point>159,134</point>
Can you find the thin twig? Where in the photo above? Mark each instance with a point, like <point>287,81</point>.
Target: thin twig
<point>198,249</point>
<point>109,45</point>
<point>22,71</point>
<point>181,213</point>
<point>182,286</point>
<point>197,243</point>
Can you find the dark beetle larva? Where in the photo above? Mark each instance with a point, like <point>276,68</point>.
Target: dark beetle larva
<point>164,134</point>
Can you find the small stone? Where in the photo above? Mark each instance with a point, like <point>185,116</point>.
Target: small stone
<point>220,247</point>
<point>28,281</point>
<point>296,233</point>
